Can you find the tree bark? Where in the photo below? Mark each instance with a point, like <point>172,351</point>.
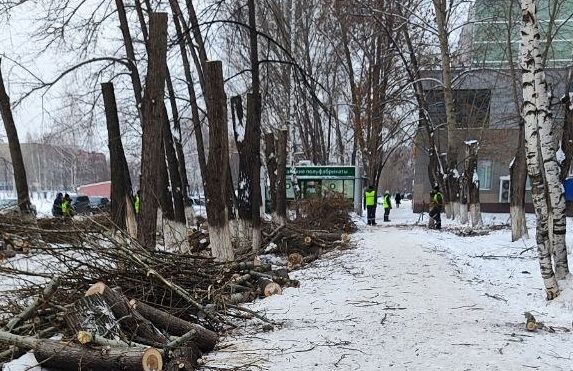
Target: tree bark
<point>518,180</point>
<point>254,113</point>
<point>152,130</point>
<point>132,323</point>
<point>121,192</point>
<point>15,151</point>
<point>271,157</point>
<point>205,339</point>
<point>473,183</point>
<point>68,356</point>
<point>534,111</point>
<point>281,181</point>
<point>217,166</point>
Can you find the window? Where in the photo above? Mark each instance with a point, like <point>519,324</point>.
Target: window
<point>484,174</point>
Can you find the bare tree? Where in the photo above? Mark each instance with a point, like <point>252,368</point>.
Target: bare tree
<point>216,179</point>
<point>15,151</point>
<point>154,110</point>
<point>121,191</point>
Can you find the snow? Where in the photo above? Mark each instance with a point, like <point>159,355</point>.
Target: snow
<point>408,298</point>
<point>470,142</point>
<point>560,155</point>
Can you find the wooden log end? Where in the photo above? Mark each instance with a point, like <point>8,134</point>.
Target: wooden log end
<point>272,288</point>
<point>84,337</point>
<point>96,289</point>
<point>307,241</point>
<point>133,304</point>
<point>152,360</point>
<point>294,261</point>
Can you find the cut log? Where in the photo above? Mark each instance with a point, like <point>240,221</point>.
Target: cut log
<point>205,339</point>
<point>92,315</point>
<point>66,356</point>
<point>240,297</point>
<point>131,322</point>
<point>295,261</point>
<point>183,359</point>
<point>269,288</point>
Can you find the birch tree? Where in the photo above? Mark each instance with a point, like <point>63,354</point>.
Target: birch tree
<point>542,165</point>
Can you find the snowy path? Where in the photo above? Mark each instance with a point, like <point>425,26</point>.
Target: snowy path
<point>393,303</point>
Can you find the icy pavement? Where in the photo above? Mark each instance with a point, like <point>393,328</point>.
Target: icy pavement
<point>410,299</point>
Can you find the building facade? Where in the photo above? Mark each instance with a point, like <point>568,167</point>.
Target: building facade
<point>487,94</point>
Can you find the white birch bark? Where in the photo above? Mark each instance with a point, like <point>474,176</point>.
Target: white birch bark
<point>532,111</point>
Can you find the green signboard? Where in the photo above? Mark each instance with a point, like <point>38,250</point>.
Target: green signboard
<point>323,171</point>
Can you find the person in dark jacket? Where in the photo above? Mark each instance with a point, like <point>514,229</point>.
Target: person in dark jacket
<point>370,203</point>
<point>57,206</point>
<point>436,207</point>
<point>386,202</point>
<point>398,198</point>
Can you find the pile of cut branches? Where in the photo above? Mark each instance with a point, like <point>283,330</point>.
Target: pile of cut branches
<point>327,214</point>
<point>113,301</point>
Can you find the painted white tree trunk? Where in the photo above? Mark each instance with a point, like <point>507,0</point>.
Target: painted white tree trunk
<point>448,209</point>
<point>219,239</point>
<point>175,236</point>
<point>518,225</point>
<point>463,214</point>
<point>456,210</point>
<point>475,215</point>
<point>535,112</point>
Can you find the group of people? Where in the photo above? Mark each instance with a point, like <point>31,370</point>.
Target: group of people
<point>371,201</point>
<point>371,198</point>
<point>62,206</point>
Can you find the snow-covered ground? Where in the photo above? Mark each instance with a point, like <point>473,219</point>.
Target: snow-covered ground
<point>408,298</point>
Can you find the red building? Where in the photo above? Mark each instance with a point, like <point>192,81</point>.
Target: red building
<point>102,189</point>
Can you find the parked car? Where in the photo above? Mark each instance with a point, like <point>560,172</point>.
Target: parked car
<point>10,206</point>
<point>99,204</point>
<point>81,205</point>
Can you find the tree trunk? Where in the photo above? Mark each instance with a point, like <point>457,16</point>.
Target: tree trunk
<point>518,180</point>
<point>534,113</point>
<point>217,166</point>
<point>473,185</point>
<point>15,151</point>
<point>255,116</point>
<point>271,157</point>
<point>130,53</point>
<point>280,214</point>
<point>440,7</point>
<point>178,190</point>
<point>153,108</point>
<point>183,38</point>
<point>121,192</point>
